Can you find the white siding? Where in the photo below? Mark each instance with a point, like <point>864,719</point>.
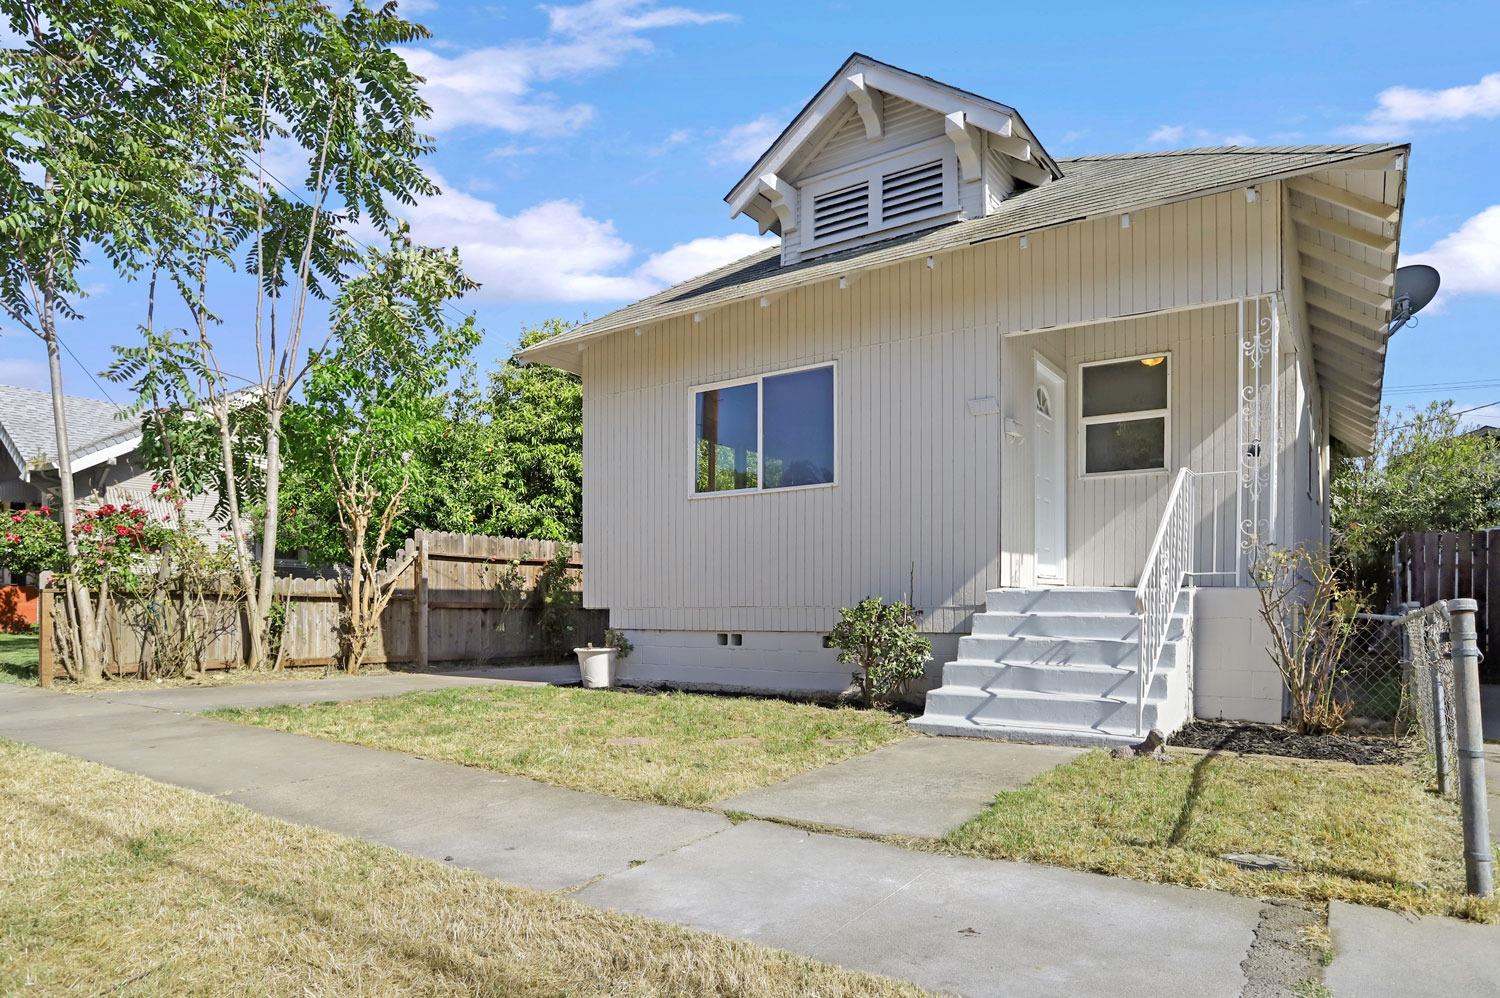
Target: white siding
<point>917,504</point>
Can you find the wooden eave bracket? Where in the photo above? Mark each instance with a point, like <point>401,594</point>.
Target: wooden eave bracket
<point>966,141</point>
<point>869,102</point>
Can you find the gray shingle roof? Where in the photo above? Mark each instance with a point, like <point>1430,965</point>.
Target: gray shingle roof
<point>28,430</point>
<point>1091,186</point>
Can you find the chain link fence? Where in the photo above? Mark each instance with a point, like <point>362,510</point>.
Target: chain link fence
<point>1429,708</point>
<point>1369,671</point>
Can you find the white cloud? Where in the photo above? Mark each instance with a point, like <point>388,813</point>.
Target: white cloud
<point>555,251</point>
<point>743,144</point>
<point>1468,258</point>
<point>699,256</point>
<point>24,373</point>
<point>410,8</point>
<point>1398,109</point>
<point>497,87</point>
<point>1181,135</point>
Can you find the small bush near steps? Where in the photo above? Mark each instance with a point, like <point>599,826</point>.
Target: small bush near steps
<point>881,639</point>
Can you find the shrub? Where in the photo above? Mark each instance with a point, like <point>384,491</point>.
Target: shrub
<point>881,639</point>
<point>32,543</point>
<point>618,641</point>
<point>1311,614</point>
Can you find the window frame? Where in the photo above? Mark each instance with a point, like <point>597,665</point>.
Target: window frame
<point>1133,415</point>
<point>760,431</point>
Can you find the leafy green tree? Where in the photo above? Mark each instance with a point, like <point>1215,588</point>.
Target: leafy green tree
<point>295,73</point>
<point>375,407</point>
<point>95,151</point>
<point>1424,473</point>
<point>371,405</point>
<point>511,457</point>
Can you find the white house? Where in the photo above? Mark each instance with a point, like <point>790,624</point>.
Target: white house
<point>1054,403</point>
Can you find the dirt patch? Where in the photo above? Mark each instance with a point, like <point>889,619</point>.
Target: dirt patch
<point>1273,739</point>
<point>1280,961</point>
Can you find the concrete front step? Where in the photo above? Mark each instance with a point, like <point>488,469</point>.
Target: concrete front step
<point>1019,708</point>
<point>1065,599</point>
<point>1068,599</point>
<point>1108,626</point>
<point>1080,680</point>
<point>1042,734</point>
<point>1048,651</point>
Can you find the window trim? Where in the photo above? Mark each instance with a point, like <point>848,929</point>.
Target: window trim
<point>1133,415</point>
<point>760,431</point>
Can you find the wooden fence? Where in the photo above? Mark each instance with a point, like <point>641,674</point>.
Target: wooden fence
<point>449,608</point>
<point>1433,566</point>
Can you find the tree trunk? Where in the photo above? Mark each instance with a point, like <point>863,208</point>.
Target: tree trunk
<point>273,507</point>
<point>91,663</point>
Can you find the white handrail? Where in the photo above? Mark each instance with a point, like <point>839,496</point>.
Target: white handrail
<point>1168,563</point>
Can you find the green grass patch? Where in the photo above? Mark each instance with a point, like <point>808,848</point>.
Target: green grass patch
<point>18,658</point>
<point>686,749</point>
<point>114,884</point>
<point>1364,834</point>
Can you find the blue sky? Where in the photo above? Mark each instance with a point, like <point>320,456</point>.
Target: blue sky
<point>584,149</point>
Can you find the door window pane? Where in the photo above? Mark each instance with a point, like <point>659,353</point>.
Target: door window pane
<point>727,457</point>
<point>1129,386</point>
<point>798,428</point>
<point>1132,445</point>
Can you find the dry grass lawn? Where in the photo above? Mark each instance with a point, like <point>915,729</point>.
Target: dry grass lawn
<point>1365,834</point>
<point>111,883</point>
<point>684,749</point>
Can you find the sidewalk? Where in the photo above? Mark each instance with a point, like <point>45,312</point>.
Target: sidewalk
<point>956,924</point>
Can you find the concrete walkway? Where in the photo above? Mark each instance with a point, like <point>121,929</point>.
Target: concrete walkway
<point>1378,952</point>
<point>921,786</point>
<point>964,925</point>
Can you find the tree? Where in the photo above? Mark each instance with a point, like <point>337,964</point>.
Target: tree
<point>94,152</point>
<point>372,404</point>
<point>1424,473</point>
<point>514,455</point>
<point>332,86</point>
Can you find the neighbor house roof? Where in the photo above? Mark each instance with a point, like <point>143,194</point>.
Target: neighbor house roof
<point>1091,187</point>
<point>95,429</point>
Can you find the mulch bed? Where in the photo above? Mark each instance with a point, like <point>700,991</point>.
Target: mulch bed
<point>1273,739</point>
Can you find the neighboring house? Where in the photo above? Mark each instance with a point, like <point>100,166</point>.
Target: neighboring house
<point>1007,387</point>
<point>104,449</point>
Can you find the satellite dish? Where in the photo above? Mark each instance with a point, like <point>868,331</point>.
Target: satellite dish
<point>1416,284</point>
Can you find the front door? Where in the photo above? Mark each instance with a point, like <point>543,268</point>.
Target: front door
<point>1050,512</point>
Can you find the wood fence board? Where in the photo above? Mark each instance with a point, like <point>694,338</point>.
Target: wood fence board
<point>446,608</point>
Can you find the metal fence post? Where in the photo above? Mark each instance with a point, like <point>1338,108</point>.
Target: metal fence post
<point>1478,857</point>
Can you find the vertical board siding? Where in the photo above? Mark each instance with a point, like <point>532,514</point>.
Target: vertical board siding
<point>917,506</point>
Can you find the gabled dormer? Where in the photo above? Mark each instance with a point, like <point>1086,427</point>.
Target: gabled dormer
<point>880,152</point>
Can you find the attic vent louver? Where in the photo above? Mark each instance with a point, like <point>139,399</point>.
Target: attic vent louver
<point>911,191</point>
<point>844,211</point>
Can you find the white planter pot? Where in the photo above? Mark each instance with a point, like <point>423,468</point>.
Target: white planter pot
<point>596,666</point>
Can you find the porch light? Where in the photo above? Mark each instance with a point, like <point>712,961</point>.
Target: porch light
<point>1252,195</point>
<point>1026,242</point>
<point>843,284</point>
<point>697,317</point>
<point>765,301</point>
<point>639,330</point>
<point>1125,220</point>
<point>1152,361</point>
<point>931,262</point>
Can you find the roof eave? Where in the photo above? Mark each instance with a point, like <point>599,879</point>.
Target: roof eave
<point>562,353</point>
